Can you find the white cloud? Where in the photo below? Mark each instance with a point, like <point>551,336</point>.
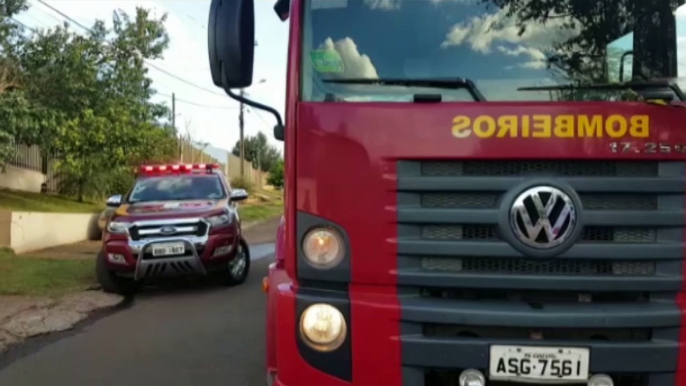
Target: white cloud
<point>484,32</point>
<point>356,65</point>
<point>537,59</point>
<point>384,5</point>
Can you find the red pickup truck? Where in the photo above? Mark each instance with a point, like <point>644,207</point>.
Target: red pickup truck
<point>177,220</point>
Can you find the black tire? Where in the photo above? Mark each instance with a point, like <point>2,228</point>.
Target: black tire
<point>232,277</point>
<point>112,283</point>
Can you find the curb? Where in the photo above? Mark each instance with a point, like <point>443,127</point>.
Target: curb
<point>42,316</point>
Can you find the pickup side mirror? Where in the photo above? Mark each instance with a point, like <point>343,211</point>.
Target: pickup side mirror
<point>231,39</point>
<point>238,195</point>
<point>114,201</point>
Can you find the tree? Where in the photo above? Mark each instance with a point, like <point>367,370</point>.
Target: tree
<point>582,58</point>
<point>105,122</point>
<point>258,152</point>
<point>275,178</point>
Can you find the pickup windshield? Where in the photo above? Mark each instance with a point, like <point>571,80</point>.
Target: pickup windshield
<point>177,188</point>
<point>503,46</point>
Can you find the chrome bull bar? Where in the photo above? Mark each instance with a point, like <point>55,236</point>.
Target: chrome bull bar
<point>189,264</point>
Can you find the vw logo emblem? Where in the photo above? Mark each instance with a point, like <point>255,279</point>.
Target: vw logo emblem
<point>543,217</point>
<point>168,230</point>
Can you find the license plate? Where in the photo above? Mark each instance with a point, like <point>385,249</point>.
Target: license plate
<point>539,364</point>
<point>168,249</point>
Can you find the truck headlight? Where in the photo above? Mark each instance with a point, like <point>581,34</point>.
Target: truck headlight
<point>323,248</point>
<point>323,327</point>
<point>217,221</point>
<point>117,227</point>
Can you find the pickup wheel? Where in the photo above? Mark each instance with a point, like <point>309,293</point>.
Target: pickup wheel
<point>112,283</point>
<point>239,267</point>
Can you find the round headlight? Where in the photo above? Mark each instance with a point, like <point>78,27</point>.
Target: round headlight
<point>323,248</point>
<point>323,327</point>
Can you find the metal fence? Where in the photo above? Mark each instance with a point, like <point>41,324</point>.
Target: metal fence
<point>28,157</point>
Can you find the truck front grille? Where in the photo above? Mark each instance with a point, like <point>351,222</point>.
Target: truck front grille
<point>485,200</point>
<point>590,234</point>
<point>464,287</point>
<point>540,267</point>
<point>538,168</point>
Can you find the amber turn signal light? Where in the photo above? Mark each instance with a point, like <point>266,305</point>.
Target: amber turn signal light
<point>265,284</point>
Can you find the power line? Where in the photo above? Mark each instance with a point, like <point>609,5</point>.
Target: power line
<point>198,104</point>
<point>266,125</point>
<point>49,14</point>
<point>180,79</point>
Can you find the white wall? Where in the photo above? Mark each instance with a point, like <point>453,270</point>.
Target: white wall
<point>32,231</point>
<point>16,178</point>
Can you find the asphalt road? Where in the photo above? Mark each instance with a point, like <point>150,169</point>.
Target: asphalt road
<point>188,335</point>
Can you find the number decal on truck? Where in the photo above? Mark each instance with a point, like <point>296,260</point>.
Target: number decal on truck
<point>647,148</point>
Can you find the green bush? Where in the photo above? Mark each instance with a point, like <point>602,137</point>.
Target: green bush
<point>275,178</point>
<point>243,183</point>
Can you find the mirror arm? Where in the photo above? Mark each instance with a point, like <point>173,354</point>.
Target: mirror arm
<point>254,104</point>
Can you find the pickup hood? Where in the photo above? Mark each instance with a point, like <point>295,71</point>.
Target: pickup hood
<point>166,209</point>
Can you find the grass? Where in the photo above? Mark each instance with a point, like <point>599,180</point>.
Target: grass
<point>38,202</point>
<point>251,213</point>
<point>43,277</point>
<point>269,205</point>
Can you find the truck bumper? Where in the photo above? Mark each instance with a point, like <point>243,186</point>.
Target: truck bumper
<point>394,346</point>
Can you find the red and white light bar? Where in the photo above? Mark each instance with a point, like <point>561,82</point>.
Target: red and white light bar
<point>177,168</point>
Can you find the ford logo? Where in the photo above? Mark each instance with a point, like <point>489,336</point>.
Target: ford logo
<point>168,230</point>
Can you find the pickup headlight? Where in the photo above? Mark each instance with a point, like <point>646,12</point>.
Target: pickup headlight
<point>218,221</point>
<point>117,227</point>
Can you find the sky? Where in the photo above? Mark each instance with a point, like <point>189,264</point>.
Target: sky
<point>215,120</point>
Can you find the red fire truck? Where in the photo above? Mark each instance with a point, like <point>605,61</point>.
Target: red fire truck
<point>177,220</point>
<point>478,192</point>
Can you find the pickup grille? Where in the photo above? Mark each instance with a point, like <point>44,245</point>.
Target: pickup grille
<point>150,230</point>
<point>627,266</point>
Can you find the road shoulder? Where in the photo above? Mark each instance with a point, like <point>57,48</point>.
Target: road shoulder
<point>23,317</point>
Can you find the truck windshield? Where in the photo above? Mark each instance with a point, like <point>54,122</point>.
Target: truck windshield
<point>177,188</point>
<point>500,45</point>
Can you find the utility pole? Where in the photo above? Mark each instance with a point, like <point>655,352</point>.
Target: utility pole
<point>242,144</point>
<point>174,112</point>
<point>179,142</point>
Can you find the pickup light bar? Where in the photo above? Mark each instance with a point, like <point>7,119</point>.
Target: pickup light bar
<point>158,170</point>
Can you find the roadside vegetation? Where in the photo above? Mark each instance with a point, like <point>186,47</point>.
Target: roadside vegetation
<point>20,275</point>
<point>85,98</point>
<point>263,205</point>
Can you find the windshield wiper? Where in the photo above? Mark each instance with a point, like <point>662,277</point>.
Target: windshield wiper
<point>447,83</point>
<point>653,89</point>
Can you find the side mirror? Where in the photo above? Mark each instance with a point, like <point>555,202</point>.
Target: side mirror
<point>231,38</point>
<point>114,201</point>
<point>238,195</point>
